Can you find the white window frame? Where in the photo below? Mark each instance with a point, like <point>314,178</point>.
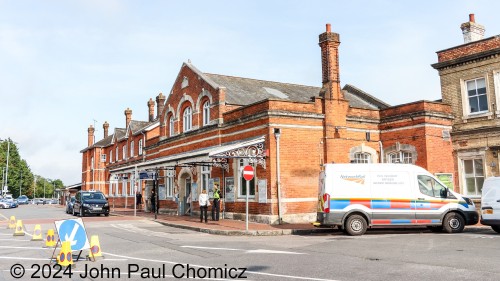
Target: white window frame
<point>111,156</point>
<point>103,157</point>
<point>124,151</point>
<point>496,81</point>
<point>402,155</point>
<point>465,97</point>
<point>92,162</point>
<point>477,188</point>
<point>132,149</point>
<point>206,113</point>
<point>169,183</point>
<point>171,126</point>
<point>140,147</point>
<point>205,176</point>
<point>239,170</point>
<point>187,115</point>
<point>362,157</point>
<point>117,156</point>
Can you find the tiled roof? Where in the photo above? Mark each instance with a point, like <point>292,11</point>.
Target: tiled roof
<point>105,141</point>
<point>137,126</point>
<point>244,91</point>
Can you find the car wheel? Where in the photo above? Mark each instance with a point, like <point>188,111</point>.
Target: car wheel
<point>496,228</point>
<point>434,228</point>
<point>453,223</point>
<point>2,207</point>
<point>356,225</point>
<point>106,214</point>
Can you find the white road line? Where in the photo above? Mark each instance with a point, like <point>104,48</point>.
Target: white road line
<point>28,248</point>
<point>204,266</point>
<point>14,240</point>
<point>258,251</point>
<point>210,248</point>
<point>21,258</point>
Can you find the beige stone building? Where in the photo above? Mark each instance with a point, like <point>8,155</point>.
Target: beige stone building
<point>470,83</point>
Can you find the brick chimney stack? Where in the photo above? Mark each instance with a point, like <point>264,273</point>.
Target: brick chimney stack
<point>91,131</point>
<point>329,43</point>
<point>160,103</point>
<point>128,116</point>
<point>471,30</point>
<point>105,126</point>
<point>151,108</point>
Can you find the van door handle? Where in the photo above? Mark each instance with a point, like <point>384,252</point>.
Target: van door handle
<point>421,198</point>
<point>498,201</point>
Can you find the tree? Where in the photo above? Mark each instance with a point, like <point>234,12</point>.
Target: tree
<point>19,175</point>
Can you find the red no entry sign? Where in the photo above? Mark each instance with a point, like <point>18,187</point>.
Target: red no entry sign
<point>248,172</point>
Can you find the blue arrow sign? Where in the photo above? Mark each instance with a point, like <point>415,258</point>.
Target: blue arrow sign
<point>73,231</point>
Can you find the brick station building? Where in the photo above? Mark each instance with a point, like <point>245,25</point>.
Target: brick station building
<point>211,125</point>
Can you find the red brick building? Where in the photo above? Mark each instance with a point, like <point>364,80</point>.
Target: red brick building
<point>211,125</point>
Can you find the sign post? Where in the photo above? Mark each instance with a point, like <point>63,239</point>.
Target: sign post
<point>248,174</point>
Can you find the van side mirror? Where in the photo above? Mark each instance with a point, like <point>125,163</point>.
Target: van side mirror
<point>444,193</point>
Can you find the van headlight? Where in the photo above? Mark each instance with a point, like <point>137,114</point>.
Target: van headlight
<point>86,205</point>
<point>469,201</point>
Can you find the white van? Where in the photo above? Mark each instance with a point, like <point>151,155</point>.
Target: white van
<point>357,196</point>
<point>490,203</point>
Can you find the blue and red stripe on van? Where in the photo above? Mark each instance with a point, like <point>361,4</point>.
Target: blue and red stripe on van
<point>392,204</point>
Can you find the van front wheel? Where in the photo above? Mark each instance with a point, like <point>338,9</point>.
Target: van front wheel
<point>453,223</point>
<point>496,228</point>
<point>356,225</point>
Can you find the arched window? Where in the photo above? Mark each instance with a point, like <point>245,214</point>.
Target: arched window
<point>362,157</point>
<point>171,126</point>
<point>401,157</point>
<point>206,113</point>
<point>188,119</point>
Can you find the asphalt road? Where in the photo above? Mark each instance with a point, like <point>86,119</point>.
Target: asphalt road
<point>144,249</point>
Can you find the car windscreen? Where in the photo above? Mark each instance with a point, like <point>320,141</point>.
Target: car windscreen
<point>91,196</point>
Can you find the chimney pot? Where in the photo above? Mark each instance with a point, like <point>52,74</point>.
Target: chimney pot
<point>128,116</point>
<point>151,109</point>
<point>471,30</point>
<point>91,131</point>
<point>105,126</point>
<point>471,18</point>
<point>328,28</point>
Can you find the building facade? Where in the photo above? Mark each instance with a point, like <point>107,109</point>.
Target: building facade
<point>211,125</point>
<point>470,84</point>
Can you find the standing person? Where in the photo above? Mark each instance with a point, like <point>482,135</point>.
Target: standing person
<point>216,205</point>
<point>203,200</point>
<point>153,201</point>
<point>138,199</point>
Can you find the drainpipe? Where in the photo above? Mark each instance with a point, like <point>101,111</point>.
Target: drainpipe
<point>277,134</point>
<point>381,151</point>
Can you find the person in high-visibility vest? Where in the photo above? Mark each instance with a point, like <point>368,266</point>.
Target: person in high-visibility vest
<point>216,205</point>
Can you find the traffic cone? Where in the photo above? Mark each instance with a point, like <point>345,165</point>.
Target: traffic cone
<point>50,241</point>
<point>65,257</point>
<point>12,223</point>
<point>19,228</point>
<point>95,248</point>
<point>37,233</point>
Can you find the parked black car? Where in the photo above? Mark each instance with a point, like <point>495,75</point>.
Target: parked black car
<point>90,203</point>
<point>69,205</point>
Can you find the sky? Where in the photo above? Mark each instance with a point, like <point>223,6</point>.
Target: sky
<point>66,65</point>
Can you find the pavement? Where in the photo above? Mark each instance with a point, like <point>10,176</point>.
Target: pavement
<point>224,226</point>
<point>238,227</point>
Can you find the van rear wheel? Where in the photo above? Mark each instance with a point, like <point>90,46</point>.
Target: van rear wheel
<point>496,228</point>
<point>356,225</point>
<point>453,223</point>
